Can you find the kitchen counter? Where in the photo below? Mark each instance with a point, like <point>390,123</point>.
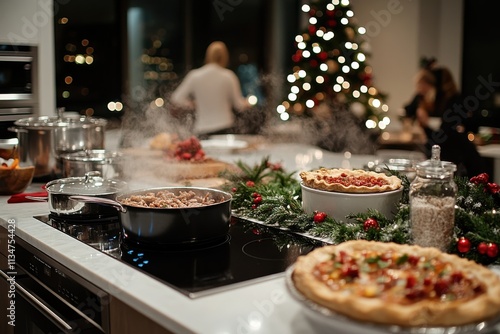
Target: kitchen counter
<point>261,307</point>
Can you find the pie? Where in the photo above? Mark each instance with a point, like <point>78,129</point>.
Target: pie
<point>402,285</point>
<point>349,181</point>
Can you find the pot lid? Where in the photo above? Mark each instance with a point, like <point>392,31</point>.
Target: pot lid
<point>435,167</point>
<point>93,156</point>
<point>90,184</point>
<point>50,122</point>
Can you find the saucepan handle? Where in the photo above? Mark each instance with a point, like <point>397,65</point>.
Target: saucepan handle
<point>99,200</point>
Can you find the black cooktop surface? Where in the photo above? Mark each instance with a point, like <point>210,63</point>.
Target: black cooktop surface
<point>250,252</point>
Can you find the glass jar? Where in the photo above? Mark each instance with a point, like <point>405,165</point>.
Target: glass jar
<point>432,202</point>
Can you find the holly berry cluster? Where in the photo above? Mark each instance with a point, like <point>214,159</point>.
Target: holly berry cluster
<point>189,149</point>
<point>483,179</point>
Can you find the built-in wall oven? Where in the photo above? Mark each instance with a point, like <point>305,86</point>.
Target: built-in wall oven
<point>45,297</point>
<point>19,96</point>
<point>18,81</point>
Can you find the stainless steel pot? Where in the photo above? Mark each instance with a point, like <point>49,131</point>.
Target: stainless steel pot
<point>108,163</point>
<point>167,226</point>
<point>92,184</point>
<point>43,139</point>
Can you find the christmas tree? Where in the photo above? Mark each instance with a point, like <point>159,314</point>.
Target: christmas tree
<point>330,64</point>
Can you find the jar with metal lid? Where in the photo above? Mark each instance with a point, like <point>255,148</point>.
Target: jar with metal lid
<point>432,202</point>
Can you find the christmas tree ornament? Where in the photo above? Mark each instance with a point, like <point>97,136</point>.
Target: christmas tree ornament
<point>492,250</point>
<point>370,223</point>
<point>319,217</point>
<point>482,248</point>
<point>463,245</point>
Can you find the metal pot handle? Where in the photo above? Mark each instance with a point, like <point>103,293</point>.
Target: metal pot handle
<point>99,200</point>
<point>13,129</point>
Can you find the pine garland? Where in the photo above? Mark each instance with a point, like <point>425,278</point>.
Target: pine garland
<point>266,193</point>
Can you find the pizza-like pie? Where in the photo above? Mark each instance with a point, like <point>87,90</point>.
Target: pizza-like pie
<point>403,285</point>
<point>350,181</point>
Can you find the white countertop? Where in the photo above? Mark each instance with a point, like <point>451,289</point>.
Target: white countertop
<point>261,307</point>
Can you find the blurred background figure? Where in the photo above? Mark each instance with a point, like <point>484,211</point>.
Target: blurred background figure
<point>438,108</point>
<point>213,91</point>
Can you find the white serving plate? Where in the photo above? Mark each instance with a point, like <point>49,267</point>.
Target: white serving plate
<point>223,145</point>
<point>327,321</point>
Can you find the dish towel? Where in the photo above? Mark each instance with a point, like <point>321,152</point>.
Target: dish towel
<point>22,198</point>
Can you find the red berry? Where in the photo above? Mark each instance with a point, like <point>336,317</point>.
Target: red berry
<point>250,184</point>
<point>492,250</point>
<point>370,223</point>
<point>257,200</point>
<point>254,206</point>
<point>463,245</point>
<point>482,248</point>
<point>255,195</point>
<point>319,217</point>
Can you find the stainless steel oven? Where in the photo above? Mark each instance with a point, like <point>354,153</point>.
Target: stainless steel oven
<point>18,81</point>
<point>50,298</point>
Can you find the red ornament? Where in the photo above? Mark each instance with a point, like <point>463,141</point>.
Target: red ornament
<point>492,250</point>
<point>482,248</point>
<point>319,217</point>
<point>463,245</point>
<point>481,178</point>
<point>250,184</point>
<point>370,223</point>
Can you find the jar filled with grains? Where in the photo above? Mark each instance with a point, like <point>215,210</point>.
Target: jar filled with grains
<point>432,202</point>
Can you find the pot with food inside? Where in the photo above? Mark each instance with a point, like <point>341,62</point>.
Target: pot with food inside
<point>171,215</point>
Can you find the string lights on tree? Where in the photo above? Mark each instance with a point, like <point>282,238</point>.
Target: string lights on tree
<point>330,63</point>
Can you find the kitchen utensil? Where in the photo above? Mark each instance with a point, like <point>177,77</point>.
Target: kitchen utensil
<point>108,163</point>
<point>166,226</point>
<point>43,139</point>
<point>92,185</point>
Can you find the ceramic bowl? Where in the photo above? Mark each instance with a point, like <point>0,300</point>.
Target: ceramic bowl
<point>15,180</point>
<point>338,205</point>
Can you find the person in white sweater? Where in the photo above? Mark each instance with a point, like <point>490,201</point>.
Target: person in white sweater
<point>213,91</point>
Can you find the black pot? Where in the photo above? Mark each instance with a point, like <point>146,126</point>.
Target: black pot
<point>165,226</point>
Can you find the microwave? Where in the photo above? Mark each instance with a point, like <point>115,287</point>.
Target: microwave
<point>18,81</point>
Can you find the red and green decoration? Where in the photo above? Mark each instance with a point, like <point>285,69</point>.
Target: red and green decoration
<point>267,193</point>
<point>330,62</point>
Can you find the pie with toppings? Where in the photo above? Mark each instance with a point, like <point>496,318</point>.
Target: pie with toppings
<point>350,181</point>
<point>403,285</point>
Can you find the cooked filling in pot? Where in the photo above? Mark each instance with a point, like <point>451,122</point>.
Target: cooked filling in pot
<point>167,199</point>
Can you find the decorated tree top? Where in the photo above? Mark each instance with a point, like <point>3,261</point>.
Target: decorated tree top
<point>330,63</point>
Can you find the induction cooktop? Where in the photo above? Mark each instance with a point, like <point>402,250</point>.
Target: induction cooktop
<point>251,252</point>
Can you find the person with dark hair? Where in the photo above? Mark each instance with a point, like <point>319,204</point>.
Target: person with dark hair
<point>438,97</point>
<point>213,91</point>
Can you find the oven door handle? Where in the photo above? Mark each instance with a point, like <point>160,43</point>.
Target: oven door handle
<point>38,304</point>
